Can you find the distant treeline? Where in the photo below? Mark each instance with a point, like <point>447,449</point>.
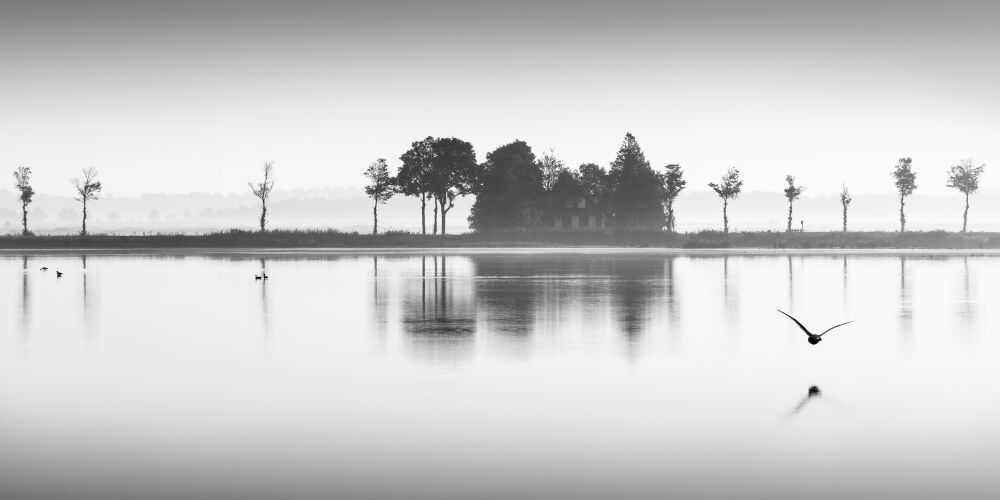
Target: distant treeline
<point>514,189</point>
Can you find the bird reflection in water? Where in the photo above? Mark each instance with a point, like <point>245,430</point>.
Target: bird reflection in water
<point>812,394</point>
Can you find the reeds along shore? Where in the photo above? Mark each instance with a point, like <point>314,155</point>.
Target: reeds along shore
<point>237,238</point>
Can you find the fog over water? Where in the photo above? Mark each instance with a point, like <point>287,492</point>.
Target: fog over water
<point>456,374</point>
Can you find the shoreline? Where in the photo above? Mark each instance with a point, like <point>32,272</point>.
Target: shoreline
<point>514,240</point>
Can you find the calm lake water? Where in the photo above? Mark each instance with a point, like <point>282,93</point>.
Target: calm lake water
<point>465,374</point>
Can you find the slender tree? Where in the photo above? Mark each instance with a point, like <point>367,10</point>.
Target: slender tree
<point>845,201</point>
<point>792,192</point>
<point>634,189</point>
<point>22,176</point>
<point>551,168</point>
<point>453,173</point>
<point>594,181</point>
<point>86,189</point>
<point>728,188</point>
<point>380,187</point>
<point>412,177</point>
<point>263,190</point>
<point>906,182</point>
<point>965,178</point>
<point>673,184</point>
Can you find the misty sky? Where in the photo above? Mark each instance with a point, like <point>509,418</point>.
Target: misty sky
<point>194,96</point>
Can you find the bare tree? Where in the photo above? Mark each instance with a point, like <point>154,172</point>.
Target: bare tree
<point>965,178</point>
<point>552,168</point>
<point>792,192</point>
<point>845,201</point>
<point>86,190</point>
<point>673,184</point>
<point>728,188</point>
<point>906,182</point>
<point>381,187</point>
<point>263,190</point>
<point>22,176</point>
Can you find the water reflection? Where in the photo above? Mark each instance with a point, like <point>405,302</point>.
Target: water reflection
<point>440,328</point>
<point>90,302</point>
<point>25,309</point>
<point>812,394</point>
<point>265,320</point>
<point>905,306</point>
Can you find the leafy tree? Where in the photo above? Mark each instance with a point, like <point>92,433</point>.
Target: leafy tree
<point>508,188</point>
<point>906,182</point>
<point>845,201</point>
<point>634,192</point>
<point>551,168</point>
<point>728,188</point>
<point>594,181</point>
<point>380,188</point>
<point>87,190</point>
<point>22,178</point>
<point>413,177</point>
<point>792,192</point>
<point>263,190</point>
<point>673,184</point>
<point>453,172</point>
<point>965,178</point>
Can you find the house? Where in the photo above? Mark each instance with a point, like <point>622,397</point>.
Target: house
<point>575,211</point>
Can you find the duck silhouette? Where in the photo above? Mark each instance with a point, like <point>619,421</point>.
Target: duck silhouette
<point>256,277</point>
<point>58,274</point>
<point>811,394</point>
<point>813,338</point>
<point>44,268</point>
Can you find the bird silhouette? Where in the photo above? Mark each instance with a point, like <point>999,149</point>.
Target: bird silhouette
<point>44,268</point>
<point>265,276</point>
<point>256,276</point>
<point>813,338</point>
<point>58,274</point>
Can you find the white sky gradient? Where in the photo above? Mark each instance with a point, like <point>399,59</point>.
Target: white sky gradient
<point>195,96</point>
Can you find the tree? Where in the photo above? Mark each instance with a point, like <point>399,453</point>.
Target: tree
<point>551,168</point>
<point>792,192</point>
<point>906,182</point>
<point>728,188</point>
<point>845,201</point>
<point>380,188</point>
<point>965,178</point>
<point>508,189</point>
<point>634,189</point>
<point>86,190</point>
<point>263,190</point>
<point>673,184</point>
<point>594,181</point>
<point>412,177</point>
<point>22,176</point>
<point>453,171</point>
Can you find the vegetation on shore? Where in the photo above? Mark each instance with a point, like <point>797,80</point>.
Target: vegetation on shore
<point>516,238</point>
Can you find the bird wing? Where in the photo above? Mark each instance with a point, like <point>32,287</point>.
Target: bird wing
<point>804,329</point>
<point>835,326</point>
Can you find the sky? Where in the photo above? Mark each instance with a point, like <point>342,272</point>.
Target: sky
<point>193,96</point>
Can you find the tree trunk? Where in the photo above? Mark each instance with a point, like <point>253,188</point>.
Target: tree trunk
<point>24,217</point>
<point>423,213</point>
<point>725,216</point>
<point>965,215</point>
<point>375,214</point>
<point>444,215</point>
<point>434,202</point>
<point>902,215</point>
<point>670,216</point>
<point>789,216</point>
<point>83,230</point>
<point>263,215</point>
<point>845,217</point>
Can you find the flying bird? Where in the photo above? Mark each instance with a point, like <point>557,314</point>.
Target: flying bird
<point>58,274</point>
<point>44,268</point>
<point>813,338</point>
<point>813,393</point>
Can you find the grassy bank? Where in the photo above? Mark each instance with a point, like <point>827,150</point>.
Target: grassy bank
<point>652,239</point>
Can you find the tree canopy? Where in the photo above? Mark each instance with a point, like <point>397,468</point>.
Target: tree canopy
<point>508,189</point>
<point>634,189</point>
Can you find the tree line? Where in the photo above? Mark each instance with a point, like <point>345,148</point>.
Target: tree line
<point>513,188</point>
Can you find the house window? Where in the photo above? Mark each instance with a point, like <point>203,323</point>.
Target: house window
<point>574,221</point>
<point>581,203</point>
<point>569,202</point>
<point>592,221</point>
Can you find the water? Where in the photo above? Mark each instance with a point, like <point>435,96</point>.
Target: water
<point>584,374</point>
